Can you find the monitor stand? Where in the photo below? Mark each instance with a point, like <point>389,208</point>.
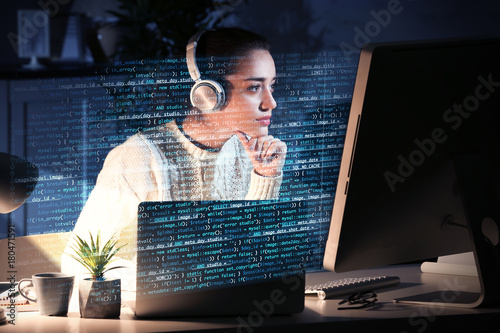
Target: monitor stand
<point>482,209</point>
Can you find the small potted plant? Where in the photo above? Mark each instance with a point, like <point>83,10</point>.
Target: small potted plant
<point>98,297</point>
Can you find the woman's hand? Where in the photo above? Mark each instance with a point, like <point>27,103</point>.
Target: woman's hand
<point>267,154</point>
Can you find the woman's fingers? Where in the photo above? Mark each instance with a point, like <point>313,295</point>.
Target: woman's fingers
<point>256,147</point>
<point>274,146</point>
<point>267,153</point>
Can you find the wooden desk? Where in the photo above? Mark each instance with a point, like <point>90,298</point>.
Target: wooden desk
<point>319,315</point>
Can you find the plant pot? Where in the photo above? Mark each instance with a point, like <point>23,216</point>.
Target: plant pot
<point>100,299</point>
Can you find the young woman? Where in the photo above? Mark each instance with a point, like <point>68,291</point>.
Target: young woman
<point>226,154</point>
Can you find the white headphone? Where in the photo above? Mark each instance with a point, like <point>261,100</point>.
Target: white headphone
<point>206,95</point>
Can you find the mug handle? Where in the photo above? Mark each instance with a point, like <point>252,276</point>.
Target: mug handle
<point>20,290</point>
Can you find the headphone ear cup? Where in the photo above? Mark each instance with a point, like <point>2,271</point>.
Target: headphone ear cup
<point>207,95</point>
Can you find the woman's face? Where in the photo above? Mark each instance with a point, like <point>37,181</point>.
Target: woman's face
<point>250,99</point>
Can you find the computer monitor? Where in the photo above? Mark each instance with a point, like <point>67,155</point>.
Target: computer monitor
<point>421,163</point>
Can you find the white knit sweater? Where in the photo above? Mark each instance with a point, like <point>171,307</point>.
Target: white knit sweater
<point>163,165</point>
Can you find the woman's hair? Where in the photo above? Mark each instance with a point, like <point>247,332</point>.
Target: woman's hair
<point>229,42</point>
<point>223,47</point>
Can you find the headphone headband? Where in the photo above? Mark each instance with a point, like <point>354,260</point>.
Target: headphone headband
<point>206,95</point>
<point>194,72</point>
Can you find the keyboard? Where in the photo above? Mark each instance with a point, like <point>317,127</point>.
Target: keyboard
<point>349,286</point>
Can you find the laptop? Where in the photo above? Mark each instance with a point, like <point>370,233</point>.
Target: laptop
<point>220,258</point>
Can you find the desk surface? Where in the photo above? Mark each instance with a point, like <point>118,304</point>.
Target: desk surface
<point>318,315</point>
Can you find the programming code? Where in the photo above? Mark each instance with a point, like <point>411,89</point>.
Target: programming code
<point>67,124</point>
<point>196,245</point>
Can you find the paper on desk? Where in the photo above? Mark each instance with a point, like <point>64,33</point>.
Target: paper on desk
<point>21,304</point>
<point>457,264</point>
<point>459,259</point>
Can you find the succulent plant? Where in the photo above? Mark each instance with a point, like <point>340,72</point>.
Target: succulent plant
<point>93,257</point>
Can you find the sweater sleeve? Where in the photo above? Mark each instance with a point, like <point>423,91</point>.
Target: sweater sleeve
<point>125,180</point>
<point>263,188</point>
<point>259,187</point>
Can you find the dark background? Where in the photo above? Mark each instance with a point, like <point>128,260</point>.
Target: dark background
<point>161,28</point>
<point>291,25</point>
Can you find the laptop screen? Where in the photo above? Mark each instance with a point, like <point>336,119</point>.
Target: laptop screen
<point>193,246</point>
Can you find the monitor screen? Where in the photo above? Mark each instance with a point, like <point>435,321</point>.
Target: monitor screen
<point>416,108</point>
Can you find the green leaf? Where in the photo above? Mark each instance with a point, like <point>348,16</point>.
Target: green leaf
<point>92,257</point>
